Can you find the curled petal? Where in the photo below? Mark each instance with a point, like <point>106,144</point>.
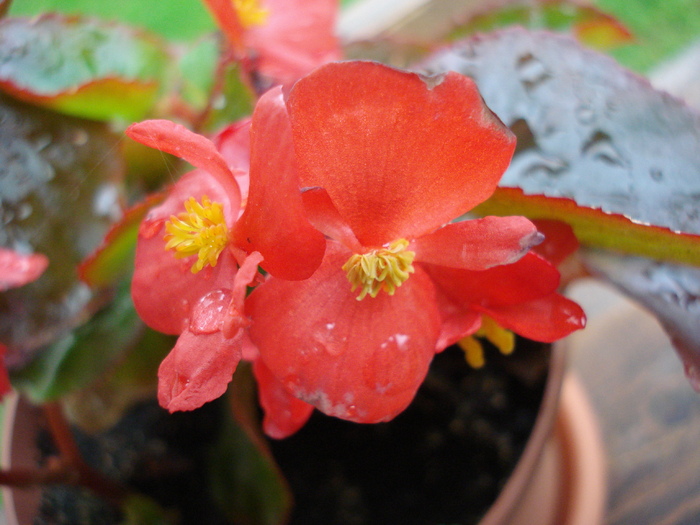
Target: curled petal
<point>199,151</point>
<point>197,370</point>
<point>233,142</point>
<point>547,319</point>
<point>559,240</point>
<point>17,269</point>
<point>325,217</point>
<point>274,222</point>
<point>477,244</point>
<point>357,360</point>
<point>284,413</point>
<point>525,280</point>
<point>399,154</point>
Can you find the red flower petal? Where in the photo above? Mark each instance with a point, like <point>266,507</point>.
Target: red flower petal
<point>547,319</point>
<point>298,36</point>
<point>477,244</point>
<point>399,154</point>
<point>197,370</point>
<point>199,151</point>
<point>284,413</point>
<point>357,360</point>
<point>5,386</point>
<point>229,22</point>
<point>325,217</point>
<point>559,240</point>
<point>274,221</point>
<point>233,142</point>
<point>528,279</point>
<point>163,287</point>
<point>17,269</point>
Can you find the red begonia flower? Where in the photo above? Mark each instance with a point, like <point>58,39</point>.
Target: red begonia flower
<point>17,269</point>
<point>285,39</point>
<point>521,297</point>
<point>199,296</point>
<point>391,157</point>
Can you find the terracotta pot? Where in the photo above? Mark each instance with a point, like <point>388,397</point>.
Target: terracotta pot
<point>559,479</point>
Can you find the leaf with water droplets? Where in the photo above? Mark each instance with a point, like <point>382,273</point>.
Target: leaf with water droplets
<point>60,189</point>
<point>671,292</point>
<point>81,66</point>
<point>591,132</point>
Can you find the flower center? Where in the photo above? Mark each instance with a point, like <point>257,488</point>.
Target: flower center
<point>251,13</point>
<point>383,269</point>
<point>200,231</point>
<point>490,330</point>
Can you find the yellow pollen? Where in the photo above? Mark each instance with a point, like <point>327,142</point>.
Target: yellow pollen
<point>251,13</point>
<point>383,269</point>
<point>200,231</point>
<point>490,330</point>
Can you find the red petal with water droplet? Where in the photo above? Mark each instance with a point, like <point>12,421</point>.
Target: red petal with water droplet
<point>357,360</point>
<point>400,155</point>
<point>197,370</point>
<point>284,413</point>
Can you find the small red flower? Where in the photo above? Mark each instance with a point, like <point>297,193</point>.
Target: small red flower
<point>16,269</point>
<point>390,158</point>
<point>187,279</point>
<point>285,39</point>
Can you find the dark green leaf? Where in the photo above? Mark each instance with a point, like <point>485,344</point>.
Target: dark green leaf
<point>82,67</point>
<point>60,189</point>
<point>246,480</point>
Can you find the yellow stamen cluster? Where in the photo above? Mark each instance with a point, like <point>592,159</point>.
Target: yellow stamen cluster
<point>250,12</point>
<point>382,269</point>
<point>490,330</point>
<point>200,230</point>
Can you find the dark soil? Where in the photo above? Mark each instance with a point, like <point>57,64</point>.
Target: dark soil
<point>443,461</point>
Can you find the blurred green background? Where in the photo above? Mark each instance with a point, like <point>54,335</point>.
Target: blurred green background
<point>662,27</point>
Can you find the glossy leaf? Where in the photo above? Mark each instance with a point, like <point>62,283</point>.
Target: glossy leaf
<point>80,356</point>
<point>590,131</point>
<point>115,256</point>
<point>60,190</point>
<point>246,481</point>
<point>81,67</point>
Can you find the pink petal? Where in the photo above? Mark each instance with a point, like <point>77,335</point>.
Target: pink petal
<point>163,287</point>
<point>477,244</point>
<point>233,142</point>
<point>18,269</point>
<point>284,413</point>
<point>274,221</point>
<point>357,360</point>
<point>197,370</point>
<point>298,36</point>
<point>199,151</point>
<point>399,154</point>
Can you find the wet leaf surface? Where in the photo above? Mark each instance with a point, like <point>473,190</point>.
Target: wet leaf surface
<point>81,66</point>
<point>588,130</point>
<point>60,188</point>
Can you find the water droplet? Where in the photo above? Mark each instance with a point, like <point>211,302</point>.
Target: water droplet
<point>585,114</point>
<point>532,72</point>
<point>600,146</point>
<point>656,174</point>
<point>692,372</point>
<point>547,167</point>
